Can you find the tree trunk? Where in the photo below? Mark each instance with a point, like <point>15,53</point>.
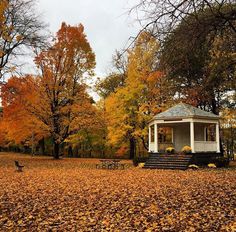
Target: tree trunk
<point>232,142</point>
<point>76,152</point>
<point>70,151</point>
<point>215,109</point>
<point>42,147</point>
<point>56,150</point>
<point>144,143</point>
<point>132,148</point>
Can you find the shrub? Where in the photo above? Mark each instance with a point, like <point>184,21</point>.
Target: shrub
<point>221,162</point>
<point>186,149</point>
<point>141,165</point>
<point>211,165</point>
<point>193,166</point>
<point>170,150</point>
<point>138,160</point>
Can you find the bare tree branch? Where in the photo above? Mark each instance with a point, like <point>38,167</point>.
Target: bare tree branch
<point>20,27</point>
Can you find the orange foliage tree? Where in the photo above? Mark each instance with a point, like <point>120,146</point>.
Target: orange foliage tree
<point>19,124</point>
<point>57,100</point>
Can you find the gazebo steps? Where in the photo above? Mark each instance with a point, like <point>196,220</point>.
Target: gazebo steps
<point>166,167</point>
<point>169,158</point>
<point>168,161</point>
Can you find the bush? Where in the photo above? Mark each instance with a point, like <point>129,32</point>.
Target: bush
<point>221,162</point>
<point>193,166</point>
<point>211,165</point>
<point>138,160</point>
<point>186,149</point>
<point>170,150</point>
<point>141,165</point>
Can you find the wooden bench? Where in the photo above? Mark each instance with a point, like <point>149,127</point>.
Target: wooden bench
<point>19,167</point>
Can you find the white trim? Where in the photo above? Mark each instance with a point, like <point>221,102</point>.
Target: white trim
<point>149,139</point>
<point>210,121</point>
<point>204,131</point>
<point>206,121</point>
<point>155,138</point>
<point>218,137</point>
<point>151,124</point>
<point>192,136</point>
<point>172,135</point>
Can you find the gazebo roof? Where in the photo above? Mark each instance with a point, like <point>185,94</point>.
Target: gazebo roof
<point>183,110</point>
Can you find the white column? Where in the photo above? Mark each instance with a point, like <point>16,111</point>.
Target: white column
<point>155,138</point>
<point>218,137</point>
<point>149,138</point>
<point>192,136</point>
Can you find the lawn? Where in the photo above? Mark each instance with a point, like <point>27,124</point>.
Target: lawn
<point>72,195</point>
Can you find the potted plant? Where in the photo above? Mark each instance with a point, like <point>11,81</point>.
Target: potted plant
<point>170,150</point>
<point>186,150</point>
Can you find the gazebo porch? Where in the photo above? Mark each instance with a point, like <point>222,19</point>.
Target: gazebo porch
<point>201,135</point>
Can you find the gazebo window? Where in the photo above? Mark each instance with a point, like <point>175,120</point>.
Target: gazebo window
<point>152,134</point>
<point>165,135</point>
<point>210,133</point>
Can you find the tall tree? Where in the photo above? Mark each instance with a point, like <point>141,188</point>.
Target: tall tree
<point>202,67</point>
<point>64,67</point>
<point>107,86</point>
<point>163,16</point>
<point>20,27</point>
<point>58,97</point>
<point>131,106</point>
<point>228,127</point>
<point>90,139</point>
<point>20,126</point>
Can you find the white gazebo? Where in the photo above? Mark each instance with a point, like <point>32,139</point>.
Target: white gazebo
<point>184,125</point>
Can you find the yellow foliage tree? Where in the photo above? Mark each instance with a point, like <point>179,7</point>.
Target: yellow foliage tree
<point>228,127</point>
<point>131,106</point>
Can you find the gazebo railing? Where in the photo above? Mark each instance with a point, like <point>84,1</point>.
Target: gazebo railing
<point>162,146</point>
<point>205,146</point>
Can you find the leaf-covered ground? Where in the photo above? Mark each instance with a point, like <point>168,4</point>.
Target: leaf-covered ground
<point>72,195</point>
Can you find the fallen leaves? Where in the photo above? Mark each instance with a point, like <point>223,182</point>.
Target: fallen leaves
<point>72,195</point>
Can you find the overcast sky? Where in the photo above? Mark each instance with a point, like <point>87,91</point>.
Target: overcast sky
<point>106,22</point>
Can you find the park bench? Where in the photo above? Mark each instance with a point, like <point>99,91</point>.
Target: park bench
<point>19,167</point>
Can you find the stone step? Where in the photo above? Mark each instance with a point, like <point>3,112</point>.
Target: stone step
<point>166,167</point>
<point>169,158</point>
<point>168,161</point>
<point>172,160</point>
<point>177,158</point>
